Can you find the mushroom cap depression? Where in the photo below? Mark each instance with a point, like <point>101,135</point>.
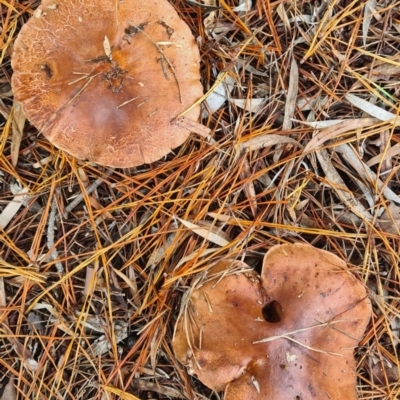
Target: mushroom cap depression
<point>289,335</point>
<point>104,80</point>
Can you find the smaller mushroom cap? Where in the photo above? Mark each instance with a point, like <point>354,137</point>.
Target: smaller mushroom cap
<point>104,79</point>
<point>289,335</point>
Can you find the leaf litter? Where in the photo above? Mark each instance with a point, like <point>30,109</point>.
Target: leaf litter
<point>301,145</point>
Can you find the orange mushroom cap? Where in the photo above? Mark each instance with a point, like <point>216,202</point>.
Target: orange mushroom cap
<point>289,335</point>
<point>104,79</point>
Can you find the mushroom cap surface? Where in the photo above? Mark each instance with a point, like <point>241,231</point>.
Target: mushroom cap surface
<point>227,339</point>
<point>104,79</point>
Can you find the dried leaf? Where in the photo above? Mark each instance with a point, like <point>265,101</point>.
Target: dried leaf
<point>23,352</point>
<point>206,233</point>
<point>220,217</point>
<point>320,124</point>
<point>248,186</point>
<point>391,152</point>
<point>337,129</point>
<point>365,172</point>
<point>337,184</point>
<point>389,221</point>
<point>18,123</point>
<point>267,140</point>
<point>42,162</point>
<point>369,11</point>
<point>9,392</point>
<point>220,93</point>
<point>371,109</point>
<point>83,177</point>
<point>291,97</point>
<point>384,70</point>
<point>142,384</point>
<point>13,206</point>
<point>157,256</point>
<point>131,284</point>
<point>97,206</point>
<point>251,105</point>
<point>90,281</point>
<point>312,103</point>
<point>3,301</point>
<point>281,11</point>
<point>210,20</point>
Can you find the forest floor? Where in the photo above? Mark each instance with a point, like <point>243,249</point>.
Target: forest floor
<point>303,148</point>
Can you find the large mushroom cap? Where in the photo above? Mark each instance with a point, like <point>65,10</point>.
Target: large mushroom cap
<point>104,79</point>
<point>289,335</point>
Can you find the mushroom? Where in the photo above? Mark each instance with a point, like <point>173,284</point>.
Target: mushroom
<point>287,335</point>
<point>105,79</point>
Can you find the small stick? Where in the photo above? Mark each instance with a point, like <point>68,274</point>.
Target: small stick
<point>89,79</point>
<point>127,102</point>
<point>54,115</point>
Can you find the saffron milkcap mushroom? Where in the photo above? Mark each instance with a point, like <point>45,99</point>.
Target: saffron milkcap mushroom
<point>104,79</point>
<point>289,334</point>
